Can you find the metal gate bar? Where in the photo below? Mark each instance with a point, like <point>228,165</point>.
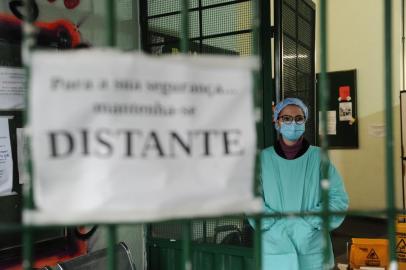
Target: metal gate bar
<point>29,41</point>
<point>390,183</point>
<point>257,98</point>
<point>323,96</point>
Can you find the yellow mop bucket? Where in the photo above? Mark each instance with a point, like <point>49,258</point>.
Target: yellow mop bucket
<point>401,242</point>
<point>369,252</point>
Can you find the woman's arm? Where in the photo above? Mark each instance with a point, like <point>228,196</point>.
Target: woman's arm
<point>338,201</point>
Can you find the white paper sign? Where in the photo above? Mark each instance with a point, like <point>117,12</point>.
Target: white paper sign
<point>377,130</point>
<point>129,137</point>
<point>345,111</point>
<point>331,123</point>
<point>12,88</point>
<point>6,160</point>
<point>22,154</point>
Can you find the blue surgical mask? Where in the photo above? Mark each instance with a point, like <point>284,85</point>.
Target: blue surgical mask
<point>292,132</point>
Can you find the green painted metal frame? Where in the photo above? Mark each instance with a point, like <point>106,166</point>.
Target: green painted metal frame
<point>323,96</point>
<point>260,36</point>
<point>28,197</point>
<point>111,42</point>
<point>390,181</point>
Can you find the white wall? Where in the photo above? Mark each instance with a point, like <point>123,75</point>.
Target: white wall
<point>356,41</point>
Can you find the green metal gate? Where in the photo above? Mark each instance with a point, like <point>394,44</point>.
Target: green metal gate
<point>225,27</point>
<point>183,254</point>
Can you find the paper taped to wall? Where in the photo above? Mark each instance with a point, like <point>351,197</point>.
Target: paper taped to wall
<point>6,161</point>
<point>12,88</point>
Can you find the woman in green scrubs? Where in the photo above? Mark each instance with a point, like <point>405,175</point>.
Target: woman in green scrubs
<point>291,182</point>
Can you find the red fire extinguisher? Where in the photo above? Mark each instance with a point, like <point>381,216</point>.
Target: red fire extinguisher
<point>69,4</point>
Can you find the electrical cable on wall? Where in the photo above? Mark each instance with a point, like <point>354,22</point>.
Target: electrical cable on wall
<point>403,45</point>
<point>401,109</point>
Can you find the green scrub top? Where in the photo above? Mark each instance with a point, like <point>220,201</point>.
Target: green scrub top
<point>296,243</point>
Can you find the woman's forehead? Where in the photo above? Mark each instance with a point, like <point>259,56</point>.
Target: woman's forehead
<point>291,109</point>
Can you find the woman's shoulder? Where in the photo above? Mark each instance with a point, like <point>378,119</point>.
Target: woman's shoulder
<point>312,150</point>
<point>268,150</point>
<point>315,150</point>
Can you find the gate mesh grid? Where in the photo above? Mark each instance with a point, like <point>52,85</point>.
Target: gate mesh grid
<point>228,231</point>
<point>216,27</point>
<point>224,27</point>
<point>298,57</point>
<point>390,208</point>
